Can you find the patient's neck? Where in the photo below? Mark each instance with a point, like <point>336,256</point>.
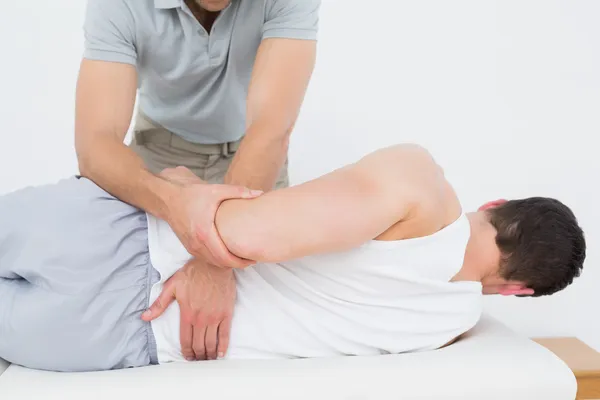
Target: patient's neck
<point>481,255</point>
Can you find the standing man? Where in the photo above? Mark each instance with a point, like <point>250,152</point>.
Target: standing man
<point>220,85</point>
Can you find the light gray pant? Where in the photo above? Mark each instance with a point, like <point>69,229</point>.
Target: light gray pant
<point>75,277</point>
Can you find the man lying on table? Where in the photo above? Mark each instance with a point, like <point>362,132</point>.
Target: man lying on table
<point>376,257</point>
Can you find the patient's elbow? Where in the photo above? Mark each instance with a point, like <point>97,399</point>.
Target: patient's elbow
<point>251,245</point>
<point>237,235</point>
<point>251,249</point>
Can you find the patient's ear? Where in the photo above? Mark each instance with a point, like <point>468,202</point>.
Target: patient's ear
<point>515,290</point>
<point>492,204</point>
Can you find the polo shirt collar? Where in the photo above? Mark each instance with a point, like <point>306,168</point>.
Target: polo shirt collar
<point>165,4</point>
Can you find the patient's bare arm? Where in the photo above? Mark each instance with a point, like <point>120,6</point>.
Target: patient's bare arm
<point>335,212</point>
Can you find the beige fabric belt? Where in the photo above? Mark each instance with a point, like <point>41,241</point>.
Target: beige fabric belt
<point>148,131</point>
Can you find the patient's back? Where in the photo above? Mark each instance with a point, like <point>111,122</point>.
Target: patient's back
<point>382,297</point>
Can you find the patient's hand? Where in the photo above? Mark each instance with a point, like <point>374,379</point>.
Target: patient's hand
<point>206,296</point>
<point>192,213</point>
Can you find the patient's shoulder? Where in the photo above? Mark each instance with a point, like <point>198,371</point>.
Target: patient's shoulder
<point>438,207</point>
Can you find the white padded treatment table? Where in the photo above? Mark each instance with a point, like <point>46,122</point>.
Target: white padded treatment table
<point>491,362</point>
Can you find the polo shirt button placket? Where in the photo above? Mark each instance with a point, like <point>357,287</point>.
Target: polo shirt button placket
<point>214,50</point>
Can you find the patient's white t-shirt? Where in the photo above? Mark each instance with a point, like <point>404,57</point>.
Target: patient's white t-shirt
<point>380,298</point>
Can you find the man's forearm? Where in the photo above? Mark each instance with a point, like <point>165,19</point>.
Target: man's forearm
<point>118,170</point>
<point>258,162</point>
<point>104,107</point>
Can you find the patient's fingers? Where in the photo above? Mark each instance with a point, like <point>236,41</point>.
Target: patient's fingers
<point>210,341</point>
<point>186,331</point>
<point>167,296</point>
<point>224,331</point>
<point>198,340</point>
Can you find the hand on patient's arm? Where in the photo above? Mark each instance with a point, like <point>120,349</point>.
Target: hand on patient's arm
<point>280,77</point>
<point>193,216</point>
<point>206,297</point>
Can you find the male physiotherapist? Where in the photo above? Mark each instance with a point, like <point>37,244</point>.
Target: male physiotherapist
<point>220,84</point>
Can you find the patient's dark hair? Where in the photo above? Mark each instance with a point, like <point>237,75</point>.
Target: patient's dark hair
<point>540,242</point>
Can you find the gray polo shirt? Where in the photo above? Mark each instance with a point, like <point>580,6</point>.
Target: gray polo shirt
<point>193,83</point>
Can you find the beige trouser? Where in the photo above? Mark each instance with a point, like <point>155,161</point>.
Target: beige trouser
<point>160,149</point>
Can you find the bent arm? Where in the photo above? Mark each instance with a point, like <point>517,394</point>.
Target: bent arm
<point>104,106</point>
<point>106,91</point>
<point>335,212</point>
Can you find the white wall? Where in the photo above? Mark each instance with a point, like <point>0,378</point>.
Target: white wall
<point>505,93</point>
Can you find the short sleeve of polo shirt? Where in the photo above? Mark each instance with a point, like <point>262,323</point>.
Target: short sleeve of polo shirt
<point>292,19</point>
<point>109,32</point>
